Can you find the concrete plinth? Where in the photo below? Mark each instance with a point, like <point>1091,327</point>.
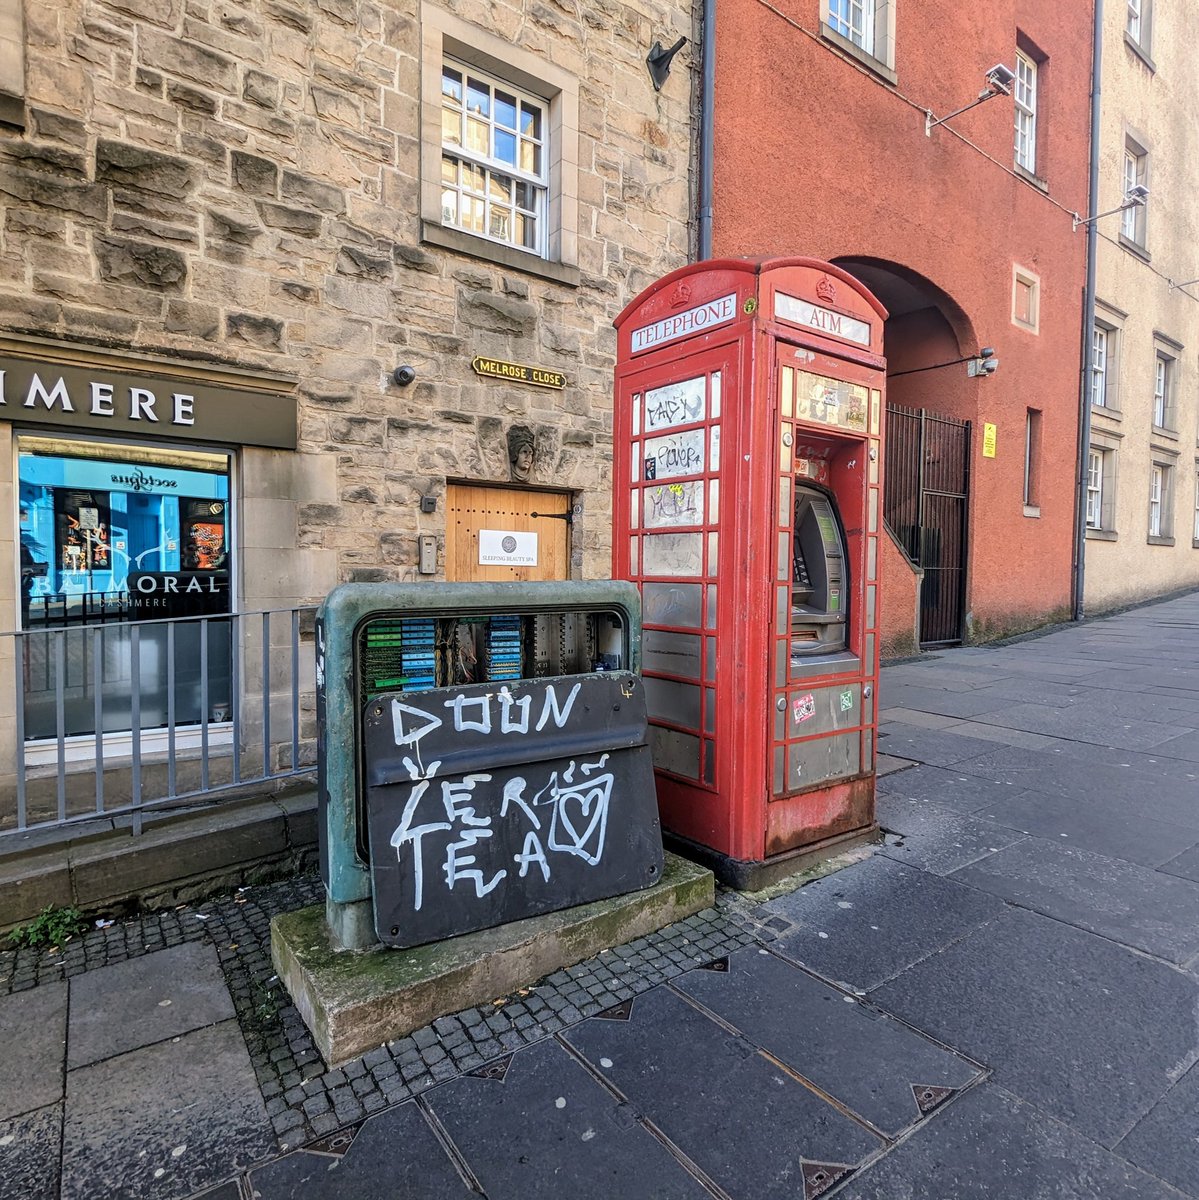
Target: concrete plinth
<point>354,1001</point>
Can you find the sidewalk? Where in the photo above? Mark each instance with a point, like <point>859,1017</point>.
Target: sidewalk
<point>1000,1001</point>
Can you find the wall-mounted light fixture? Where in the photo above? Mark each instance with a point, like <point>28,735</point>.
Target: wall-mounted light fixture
<point>999,80</point>
<point>658,60</point>
<point>1135,197</point>
<point>984,364</point>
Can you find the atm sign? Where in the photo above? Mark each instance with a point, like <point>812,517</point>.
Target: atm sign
<point>683,324</point>
<point>804,312</point>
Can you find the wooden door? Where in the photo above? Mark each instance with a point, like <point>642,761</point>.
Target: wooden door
<point>471,509</point>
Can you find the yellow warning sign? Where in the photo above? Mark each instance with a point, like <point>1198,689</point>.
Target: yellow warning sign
<point>988,440</point>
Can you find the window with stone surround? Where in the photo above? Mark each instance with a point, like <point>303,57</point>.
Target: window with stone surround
<point>499,149</point>
<point>493,159</point>
<point>1163,390</point>
<point>12,64</point>
<point>1161,517</point>
<point>1133,220</point>
<point>864,28</point>
<point>1138,26</point>
<point>1026,299</point>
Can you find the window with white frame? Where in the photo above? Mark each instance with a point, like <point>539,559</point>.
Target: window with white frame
<point>1132,23</point>
<point>866,25</point>
<point>499,129</point>
<point>1163,379</point>
<point>854,19</point>
<point>1136,170</point>
<point>493,159</point>
<point>1138,22</point>
<point>1025,97</point>
<point>1095,489</point>
<point>1101,491</point>
<point>1195,530</point>
<point>1159,500</point>
<point>1099,360</point>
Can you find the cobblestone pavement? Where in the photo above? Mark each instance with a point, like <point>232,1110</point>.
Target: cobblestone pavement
<point>305,1101</point>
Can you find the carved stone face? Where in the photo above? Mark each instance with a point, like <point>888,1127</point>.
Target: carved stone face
<point>522,452</point>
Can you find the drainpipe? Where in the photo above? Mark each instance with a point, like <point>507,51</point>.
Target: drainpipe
<point>1088,325</point>
<point>707,89</point>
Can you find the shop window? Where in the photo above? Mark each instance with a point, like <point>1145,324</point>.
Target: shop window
<point>499,168</point>
<point>113,537</point>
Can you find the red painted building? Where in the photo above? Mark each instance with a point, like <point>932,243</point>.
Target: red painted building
<point>964,232</point>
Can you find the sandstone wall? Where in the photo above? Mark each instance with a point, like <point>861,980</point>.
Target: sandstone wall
<point>240,182</point>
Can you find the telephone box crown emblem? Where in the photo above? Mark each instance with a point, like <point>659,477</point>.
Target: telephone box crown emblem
<point>680,295</point>
<point>826,289</point>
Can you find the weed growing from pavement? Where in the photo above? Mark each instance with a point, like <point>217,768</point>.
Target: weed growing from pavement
<point>51,927</point>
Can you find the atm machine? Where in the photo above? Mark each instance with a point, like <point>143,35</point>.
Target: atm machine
<point>748,433</point>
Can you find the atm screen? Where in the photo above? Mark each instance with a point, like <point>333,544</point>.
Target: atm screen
<point>819,577</point>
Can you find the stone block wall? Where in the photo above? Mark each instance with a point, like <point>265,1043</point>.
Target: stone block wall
<point>240,183</point>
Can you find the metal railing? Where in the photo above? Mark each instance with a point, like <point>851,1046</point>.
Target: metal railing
<point>126,717</point>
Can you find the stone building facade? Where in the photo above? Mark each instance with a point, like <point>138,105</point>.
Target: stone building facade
<point>255,212</point>
<point>1142,487</point>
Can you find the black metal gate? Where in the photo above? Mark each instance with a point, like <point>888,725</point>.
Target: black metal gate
<point>927,486</point>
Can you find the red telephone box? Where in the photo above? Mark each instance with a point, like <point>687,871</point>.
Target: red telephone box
<point>748,497</point>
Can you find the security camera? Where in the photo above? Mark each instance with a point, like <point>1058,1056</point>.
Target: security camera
<point>1000,79</point>
<point>404,375</point>
<point>1136,196</point>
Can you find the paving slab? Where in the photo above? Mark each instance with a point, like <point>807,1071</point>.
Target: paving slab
<point>541,1128</point>
<point>165,1120</point>
<point>988,1144</point>
<point>1184,865</point>
<point>928,837</point>
<point>29,1154</point>
<point>1086,775</point>
<point>872,1064</point>
<point>940,702</point>
<point>1087,1030</point>
<point>1124,901</point>
<point>1166,1140</point>
<point>35,1031</point>
<point>958,791</point>
<point>873,920</point>
<point>145,1000</point>
<point>747,1123</point>
<point>226,1191</point>
<point>390,1156</point>
<point>1080,722</point>
<point>1094,823</point>
<point>942,748</point>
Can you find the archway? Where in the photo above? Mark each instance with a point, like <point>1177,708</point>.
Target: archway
<point>931,407</point>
